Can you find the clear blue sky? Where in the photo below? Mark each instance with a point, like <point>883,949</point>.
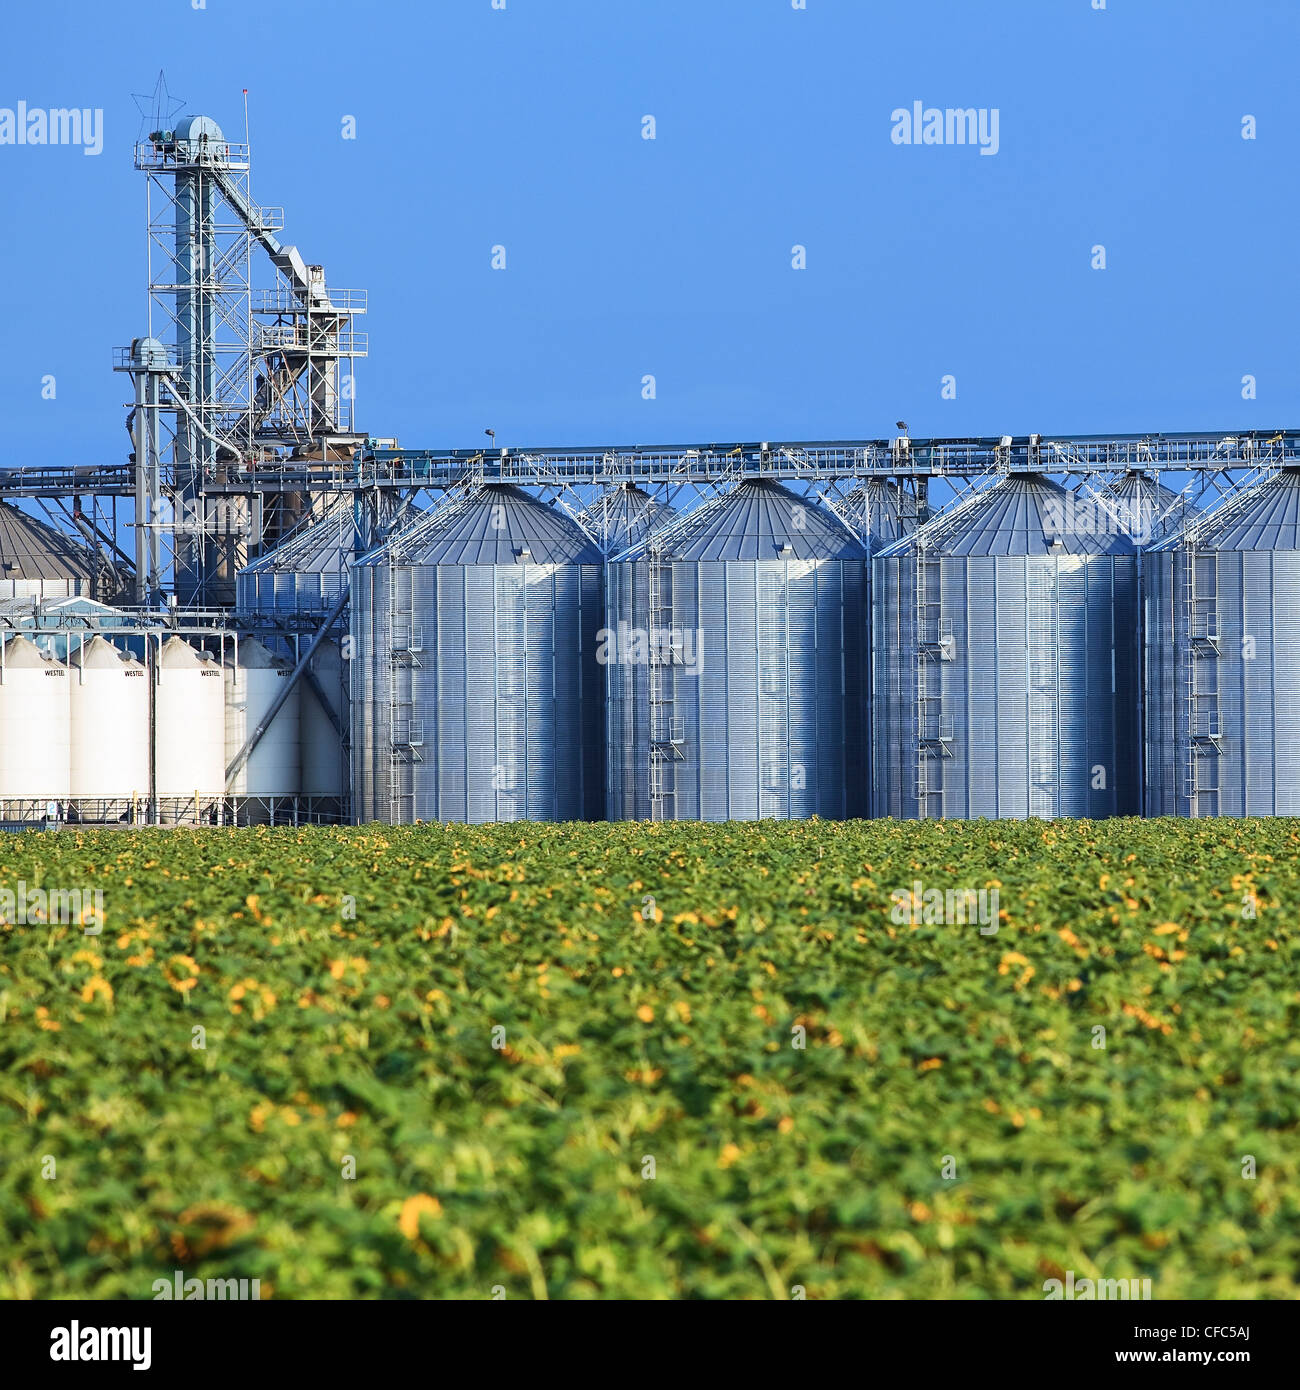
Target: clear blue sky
<point>672,257</point>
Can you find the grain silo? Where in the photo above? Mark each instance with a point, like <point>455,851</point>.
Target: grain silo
<point>109,711</point>
<point>189,731</point>
<point>1144,508</point>
<point>37,561</point>
<point>623,516</point>
<point>475,692</point>
<point>880,511</point>
<point>1222,603</point>
<point>1005,659</point>
<point>254,679</point>
<point>324,717</point>
<point>306,573</point>
<point>734,652</point>
<point>34,725</point>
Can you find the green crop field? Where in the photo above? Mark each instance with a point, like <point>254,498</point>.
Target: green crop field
<point>654,1061</point>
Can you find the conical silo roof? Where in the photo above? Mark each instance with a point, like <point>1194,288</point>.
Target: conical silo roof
<point>99,654</point>
<point>178,655</point>
<point>29,549</point>
<point>879,504</point>
<point>758,520</point>
<point>251,654</point>
<point>22,653</point>
<point>318,547</point>
<point>1023,514</point>
<point>1151,508</point>
<point>1266,517</point>
<point>624,516</point>
<point>499,524</point>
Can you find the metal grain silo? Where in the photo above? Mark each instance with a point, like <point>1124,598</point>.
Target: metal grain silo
<point>623,516</point>
<point>735,658</point>
<point>1005,663</point>
<point>109,710</point>
<point>37,561</point>
<point>1145,508</point>
<point>880,512</point>
<point>475,692</point>
<point>1222,627</point>
<point>34,725</point>
<point>306,573</point>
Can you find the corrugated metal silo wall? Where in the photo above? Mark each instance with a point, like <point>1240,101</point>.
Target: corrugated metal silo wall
<point>627,696</point>
<point>1257,663</point>
<point>493,705</point>
<point>1034,710</point>
<point>893,637</point>
<point>773,724</point>
<point>286,591</point>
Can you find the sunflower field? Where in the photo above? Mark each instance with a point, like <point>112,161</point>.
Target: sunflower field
<point>653,1061</point>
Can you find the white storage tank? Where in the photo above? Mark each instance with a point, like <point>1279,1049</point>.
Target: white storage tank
<point>189,729</point>
<point>322,739</point>
<point>34,724</point>
<point>109,709</point>
<point>254,679</point>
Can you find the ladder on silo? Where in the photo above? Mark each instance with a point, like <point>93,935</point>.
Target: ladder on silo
<point>667,734</point>
<point>934,731</point>
<point>405,731</point>
<point>1200,678</point>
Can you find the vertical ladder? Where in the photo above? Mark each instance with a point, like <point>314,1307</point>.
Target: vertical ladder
<point>933,729</point>
<point>1200,680</point>
<point>666,733</point>
<point>405,732</point>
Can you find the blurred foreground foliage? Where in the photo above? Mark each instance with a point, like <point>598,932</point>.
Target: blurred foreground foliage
<point>651,982</point>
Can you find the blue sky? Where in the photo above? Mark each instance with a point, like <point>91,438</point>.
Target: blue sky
<point>672,257</point>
